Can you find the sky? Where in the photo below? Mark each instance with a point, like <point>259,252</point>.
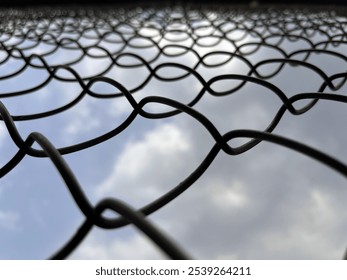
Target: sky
<point>268,203</point>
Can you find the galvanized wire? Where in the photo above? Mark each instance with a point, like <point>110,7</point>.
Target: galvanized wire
<point>122,36</point>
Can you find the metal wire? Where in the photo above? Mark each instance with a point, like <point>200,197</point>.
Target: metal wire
<point>121,37</point>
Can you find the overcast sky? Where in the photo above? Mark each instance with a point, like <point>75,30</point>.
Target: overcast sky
<point>268,203</point>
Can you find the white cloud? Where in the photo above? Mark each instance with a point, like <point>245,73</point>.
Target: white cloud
<point>120,107</point>
<point>134,246</point>
<point>147,166</point>
<point>9,220</point>
<point>229,195</point>
<point>311,234</point>
<point>82,119</point>
<point>3,131</point>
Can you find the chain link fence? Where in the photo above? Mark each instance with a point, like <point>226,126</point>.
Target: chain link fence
<point>168,45</point>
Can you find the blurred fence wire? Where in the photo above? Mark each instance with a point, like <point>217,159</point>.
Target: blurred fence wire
<point>212,37</point>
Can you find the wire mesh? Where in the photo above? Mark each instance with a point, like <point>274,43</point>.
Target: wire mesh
<point>168,45</point>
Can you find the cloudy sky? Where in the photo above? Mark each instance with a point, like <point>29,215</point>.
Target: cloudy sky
<point>268,203</point>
